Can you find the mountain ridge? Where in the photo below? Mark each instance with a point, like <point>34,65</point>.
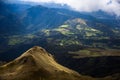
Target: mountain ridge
<point>37,64</point>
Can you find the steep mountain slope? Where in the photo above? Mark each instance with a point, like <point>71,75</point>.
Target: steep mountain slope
<point>105,18</point>
<point>37,64</point>
<point>9,22</point>
<point>39,17</point>
<point>24,18</point>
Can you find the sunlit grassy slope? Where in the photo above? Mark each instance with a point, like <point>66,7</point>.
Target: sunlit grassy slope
<point>37,64</point>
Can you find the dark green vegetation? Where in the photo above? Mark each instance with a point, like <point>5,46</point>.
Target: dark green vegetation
<point>70,36</point>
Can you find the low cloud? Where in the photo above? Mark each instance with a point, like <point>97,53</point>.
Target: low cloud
<point>110,6</point>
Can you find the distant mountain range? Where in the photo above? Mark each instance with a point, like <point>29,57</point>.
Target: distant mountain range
<point>27,16</point>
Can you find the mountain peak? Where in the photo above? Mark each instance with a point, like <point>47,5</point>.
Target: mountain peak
<point>36,50</point>
<point>37,64</point>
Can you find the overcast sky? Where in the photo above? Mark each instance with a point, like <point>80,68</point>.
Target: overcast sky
<point>111,6</point>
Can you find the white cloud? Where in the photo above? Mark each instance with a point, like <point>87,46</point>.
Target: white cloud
<point>111,6</point>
